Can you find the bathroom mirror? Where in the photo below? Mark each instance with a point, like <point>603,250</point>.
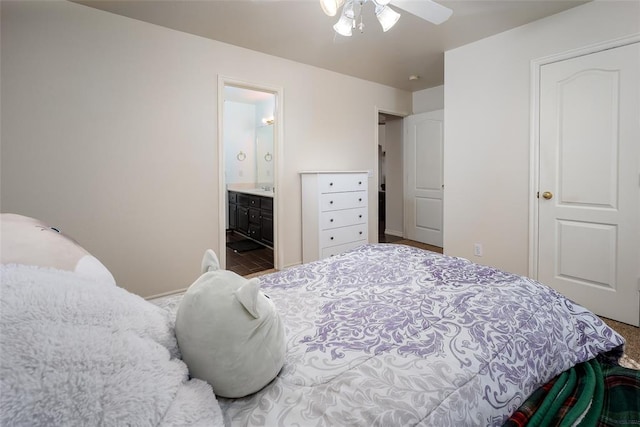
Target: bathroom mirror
<point>264,155</point>
<point>248,137</point>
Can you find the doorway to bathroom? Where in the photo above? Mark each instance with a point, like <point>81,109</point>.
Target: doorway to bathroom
<point>248,143</point>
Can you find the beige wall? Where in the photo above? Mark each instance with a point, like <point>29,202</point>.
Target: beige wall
<point>427,100</point>
<point>108,130</point>
<point>487,120</point>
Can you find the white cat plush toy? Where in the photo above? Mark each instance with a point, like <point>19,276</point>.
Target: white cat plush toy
<point>229,332</point>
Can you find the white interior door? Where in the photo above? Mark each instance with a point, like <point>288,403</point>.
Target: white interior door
<point>589,199</point>
<point>423,191</point>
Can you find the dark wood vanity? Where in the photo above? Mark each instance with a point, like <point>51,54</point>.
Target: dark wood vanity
<point>252,216</point>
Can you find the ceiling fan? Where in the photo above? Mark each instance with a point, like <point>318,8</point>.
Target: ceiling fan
<point>351,16</point>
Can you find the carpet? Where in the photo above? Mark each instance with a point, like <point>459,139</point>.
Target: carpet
<point>628,362</point>
<point>244,245</point>
<point>631,335</point>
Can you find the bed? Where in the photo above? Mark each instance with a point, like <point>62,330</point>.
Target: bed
<point>385,335</point>
<point>393,335</point>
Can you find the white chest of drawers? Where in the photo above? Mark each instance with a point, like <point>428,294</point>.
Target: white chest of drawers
<point>334,213</point>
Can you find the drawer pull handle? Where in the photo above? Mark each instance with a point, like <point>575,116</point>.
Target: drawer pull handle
<point>360,216</point>
<point>331,184</point>
<point>359,182</point>
<point>331,238</point>
<point>360,199</point>
<point>331,220</point>
<point>361,232</point>
<point>331,202</point>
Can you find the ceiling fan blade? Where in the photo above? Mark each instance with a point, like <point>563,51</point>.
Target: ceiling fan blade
<point>425,9</point>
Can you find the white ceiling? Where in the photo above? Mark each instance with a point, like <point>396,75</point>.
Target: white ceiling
<point>299,30</point>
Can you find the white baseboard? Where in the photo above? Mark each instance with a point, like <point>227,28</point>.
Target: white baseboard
<point>393,233</point>
<point>288,266</point>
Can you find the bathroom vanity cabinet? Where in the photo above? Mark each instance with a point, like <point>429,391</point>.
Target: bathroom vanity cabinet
<point>252,216</point>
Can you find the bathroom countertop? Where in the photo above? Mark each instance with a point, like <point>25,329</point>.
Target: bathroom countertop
<point>249,189</point>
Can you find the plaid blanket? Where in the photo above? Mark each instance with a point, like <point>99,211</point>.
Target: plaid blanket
<point>593,393</point>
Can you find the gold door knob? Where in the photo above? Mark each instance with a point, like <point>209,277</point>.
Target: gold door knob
<point>547,195</point>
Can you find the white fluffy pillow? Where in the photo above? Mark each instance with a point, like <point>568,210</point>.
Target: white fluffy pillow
<point>29,241</point>
<point>229,332</point>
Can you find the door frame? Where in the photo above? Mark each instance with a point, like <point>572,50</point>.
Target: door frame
<point>278,149</point>
<point>534,138</point>
<point>376,137</point>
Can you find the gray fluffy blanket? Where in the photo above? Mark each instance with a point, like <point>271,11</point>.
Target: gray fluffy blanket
<point>74,352</point>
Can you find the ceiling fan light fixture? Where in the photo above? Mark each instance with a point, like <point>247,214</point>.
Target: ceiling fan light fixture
<point>344,26</point>
<point>387,17</point>
<point>351,16</point>
<point>348,10</point>
<point>330,7</point>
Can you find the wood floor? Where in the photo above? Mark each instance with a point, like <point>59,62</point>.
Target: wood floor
<point>387,238</point>
<point>250,262</point>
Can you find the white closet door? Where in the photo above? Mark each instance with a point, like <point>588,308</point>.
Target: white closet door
<point>589,200</point>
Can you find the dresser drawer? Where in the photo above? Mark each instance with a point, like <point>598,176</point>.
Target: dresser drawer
<point>336,201</point>
<point>335,250</point>
<point>343,218</point>
<point>339,236</point>
<point>342,182</point>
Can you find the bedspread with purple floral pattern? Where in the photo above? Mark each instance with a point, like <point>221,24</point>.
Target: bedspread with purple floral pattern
<point>390,335</point>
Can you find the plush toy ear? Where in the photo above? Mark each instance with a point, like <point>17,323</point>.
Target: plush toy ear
<point>210,261</point>
<point>247,294</point>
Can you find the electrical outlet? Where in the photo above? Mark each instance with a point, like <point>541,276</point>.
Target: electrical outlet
<point>477,249</point>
